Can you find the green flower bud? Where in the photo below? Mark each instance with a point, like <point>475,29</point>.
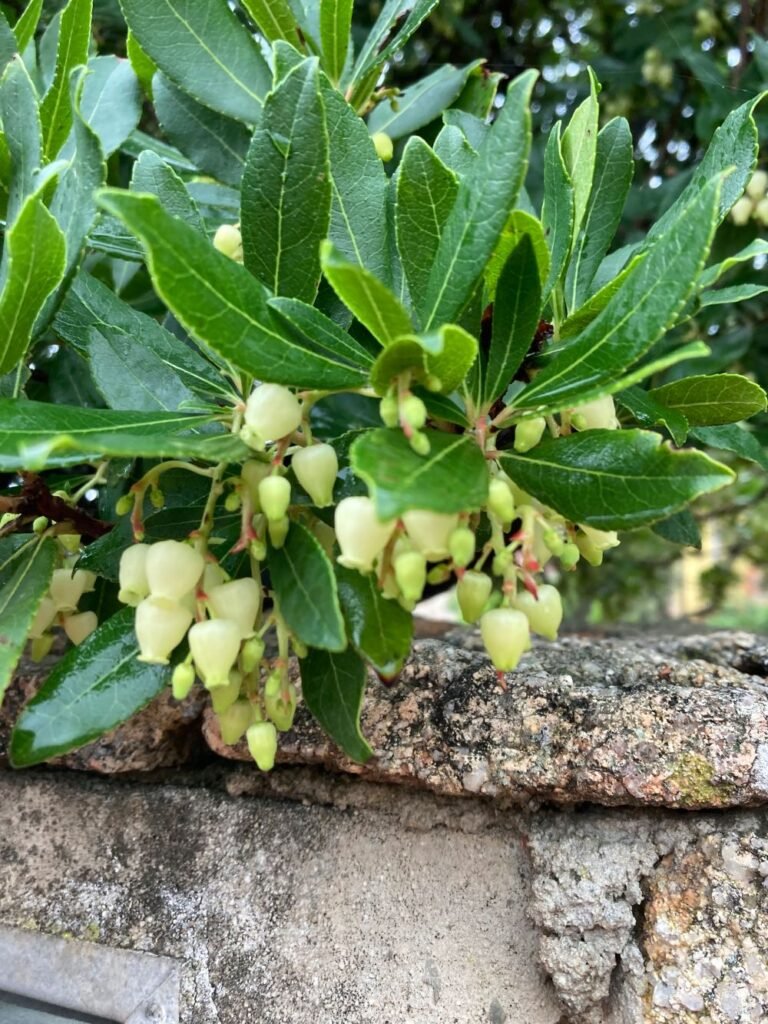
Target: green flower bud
<point>251,654</point>
<point>570,555</point>
<point>223,697</point>
<point>156,497</point>
<point>229,242</point>
<point>278,531</point>
<point>439,574</point>
<point>506,636</point>
<point>411,574</point>
<point>413,412</point>
<point>173,569</point>
<point>272,412</point>
<point>553,541</point>
<point>430,532</point>
<point>316,468</point>
<point>262,744</point>
<point>420,443</point>
<point>161,625</point>
<point>257,549</point>
<point>389,410</point>
<point>275,496</point>
<point>124,505</point>
<point>528,433</point>
<point>383,145</point>
<point>361,535</point>
<point>299,649</point>
<point>544,613</point>
<point>500,501</point>
<point>252,472</point>
<point>214,645</point>
<point>40,524</point>
<point>238,601</point>
<point>501,562</point>
<point>472,593</point>
<point>433,383</point>
<point>182,680</point>
<point>79,627</point>
<point>234,721</point>
<point>280,701</point>
<point>232,502</point>
<point>461,545</point>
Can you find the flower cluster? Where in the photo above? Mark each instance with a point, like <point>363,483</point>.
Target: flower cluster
<point>753,205</point>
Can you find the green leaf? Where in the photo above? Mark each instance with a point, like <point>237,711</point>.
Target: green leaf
<point>580,149</point>
<point>333,687</point>
<point>36,435</point>
<point>19,600</point>
<point>23,134</point>
<point>219,302</point>
<point>447,354</point>
<point>614,166</point>
<point>708,401</point>
<point>733,149</point>
<point>736,293</point>
<point>305,588</point>
<point>359,185</point>
<point>309,322</point>
<point>110,103</point>
<point>478,95</point>
<point>452,478</point>
<point>581,318</point>
<point>138,141</point>
<point>143,66</point>
<point>650,413</point>
<point>483,204</point>
<point>286,193</point>
<point>733,438</point>
<point>335,23</point>
<point>27,23</point>
<point>636,316</point>
<point>15,550</point>
<point>205,50</point>
<point>421,103</point>
<point>372,302</point>
<point>380,629</point>
<point>8,43</point>
<point>426,192</point>
<point>216,144</point>
<point>90,308</point>
<point>71,51</point>
<point>94,688</point>
<point>274,18</point>
<point>152,175</point>
<point>557,215</point>
<point>681,528</point>
<point>394,26</point>
<point>757,247</point>
<point>519,224</point>
<point>515,318</point>
<point>455,150</point>
<point>614,479</point>
<point>36,263</point>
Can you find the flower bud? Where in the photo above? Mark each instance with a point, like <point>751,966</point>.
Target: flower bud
<point>472,593</point>
<point>761,212</point>
<point>411,574</point>
<point>413,412</point>
<point>161,625</point>
<point>214,645</point>
<point>70,542</point>
<point>570,555</point>
<point>251,654</point>
<point>383,146</point>
<point>280,701</point>
<point>553,541</point>
<point>430,532</point>
<point>234,720</point>
<point>252,472</point>
<point>502,560</point>
<point>506,636</point>
<point>438,574</point>
<point>124,504</point>
<point>278,531</point>
<point>528,433</point>
<point>262,744</point>
<point>233,502</point>
<point>757,185</point>
<point>156,497</point>
<point>79,627</point>
<point>316,468</point>
<point>598,414</point>
<point>544,613</point>
<point>275,496</point>
<point>223,697</point>
<point>182,680</point>
<point>229,241</point>
<point>362,536</point>
<point>272,412</point>
<point>592,543</point>
<point>461,545</point>
<point>257,549</point>
<point>173,569</point>
<point>66,588</point>
<point>742,211</point>
<point>239,601</point>
<point>44,616</point>
<point>420,443</point>
<point>40,525</point>
<point>500,501</point>
<point>389,410</point>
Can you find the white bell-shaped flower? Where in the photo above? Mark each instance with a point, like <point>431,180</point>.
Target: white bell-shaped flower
<point>66,588</point>
<point>134,586</point>
<point>757,185</point>
<point>161,625</point>
<point>239,601</point>
<point>173,569</point>
<point>598,414</point>
<point>430,532</point>
<point>316,469</point>
<point>362,536</point>
<point>274,497</point>
<point>272,412</point>
<point>506,635</point>
<point>44,616</point>
<point>262,744</point>
<point>229,241</point>
<point>472,592</point>
<point>545,612</point>
<point>213,576</point>
<point>214,645</point>
<point>79,627</point>
<point>234,720</point>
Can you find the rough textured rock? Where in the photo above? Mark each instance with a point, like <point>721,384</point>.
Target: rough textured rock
<point>664,721</point>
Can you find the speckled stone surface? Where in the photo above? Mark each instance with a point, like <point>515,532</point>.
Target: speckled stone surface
<point>649,721</point>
